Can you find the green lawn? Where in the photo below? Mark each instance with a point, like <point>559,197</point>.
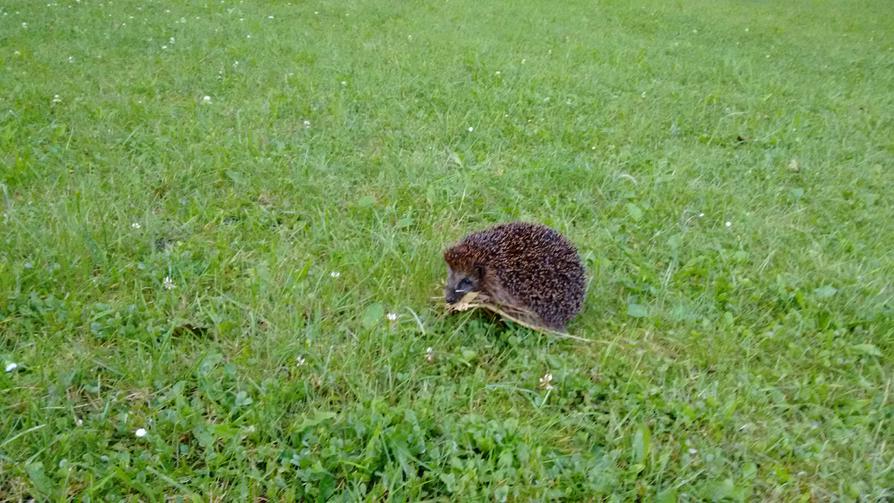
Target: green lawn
<point>210,212</point>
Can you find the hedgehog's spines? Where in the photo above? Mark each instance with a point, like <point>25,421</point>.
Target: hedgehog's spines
<point>525,265</point>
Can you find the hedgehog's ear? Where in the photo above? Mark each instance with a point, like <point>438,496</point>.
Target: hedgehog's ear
<point>478,269</point>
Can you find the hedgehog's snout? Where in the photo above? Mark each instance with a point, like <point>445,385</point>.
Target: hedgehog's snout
<point>451,296</point>
<point>456,290</point>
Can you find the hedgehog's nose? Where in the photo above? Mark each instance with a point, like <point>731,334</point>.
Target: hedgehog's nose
<point>451,296</point>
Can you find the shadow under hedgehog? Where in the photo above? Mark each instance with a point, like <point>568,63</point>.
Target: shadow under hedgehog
<point>525,270</point>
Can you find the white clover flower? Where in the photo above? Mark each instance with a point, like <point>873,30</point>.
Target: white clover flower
<point>269,17</point>
<point>546,381</point>
<point>11,366</point>
<point>141,432</point>
<point>168,283</point>
<point>391,316</point>
<point>79,422</point>
<point>16,53</point>
<point>701,215</point>
<point>471,129</point>
<point>429,354</point>
<point>171,40</point>
<point>497,73</point>
<point>728,223</point>
<point>692,450</point>
<point>57,98</point>
<point>306,123</point>
<point>136,225</point>
<point>71,59</point>
<point>334,274</point>
<point>344,82</point>
<point>25,25</point>
<point>206,99</point>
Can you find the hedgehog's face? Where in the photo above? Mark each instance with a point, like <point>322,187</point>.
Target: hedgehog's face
<point>459,283</point>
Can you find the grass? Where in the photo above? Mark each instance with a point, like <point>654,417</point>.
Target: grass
<point>724,168</point>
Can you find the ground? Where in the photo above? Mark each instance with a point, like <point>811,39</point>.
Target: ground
<point>220,255</point>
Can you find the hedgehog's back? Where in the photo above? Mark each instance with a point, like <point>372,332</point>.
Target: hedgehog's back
<point>536,266</point>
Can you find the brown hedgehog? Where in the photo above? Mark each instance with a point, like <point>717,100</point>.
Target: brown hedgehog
<point>526,270</point>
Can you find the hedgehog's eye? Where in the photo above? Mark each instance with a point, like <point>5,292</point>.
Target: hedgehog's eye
<point>464,285</point>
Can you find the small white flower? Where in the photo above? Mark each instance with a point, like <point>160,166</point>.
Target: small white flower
<point>164,47</point>
<point>299,361</point>
<point>334,274</point>
<point>79,422</point>
<point>16,53</point>
<point>235,64</point>
<point>168,283</point>
<point>11,366</point>
<point>269,17</point>
<point>643,95</point>
<point>391,316</point>
<point>471,129</point>
<point>141,432</point>
<point>206,99</point>
<point>306,124</point>
<point>692,450</point>
<point>25,25</point>
<point>747,30</point>
<point>728,223</point>
<point>171,40</point>
<point>546,381</point>
<point>57,98</point>
<point>701,215</point>
<point>497,73</point>
<point>524,61</point>
<point>136,225</point>
<point>344,82</point>
<point>71,59</point>
<point>429,354</point>
<point>248,36</point>
<point>317,12</point>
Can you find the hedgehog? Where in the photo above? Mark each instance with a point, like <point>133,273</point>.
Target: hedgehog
<point>524,269</point>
